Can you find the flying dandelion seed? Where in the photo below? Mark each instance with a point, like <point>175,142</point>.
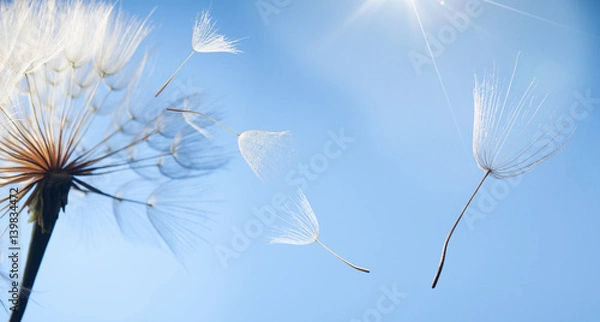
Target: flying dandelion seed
<point>265,152</point>
<point>302,227</point>
<point>205,39</point>
<point>63,67</point>
<point>501,144</point>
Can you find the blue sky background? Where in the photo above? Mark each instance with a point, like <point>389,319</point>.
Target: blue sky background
<point>387,203</point>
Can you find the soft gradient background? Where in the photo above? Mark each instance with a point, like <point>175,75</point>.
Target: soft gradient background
<point>529,252</point>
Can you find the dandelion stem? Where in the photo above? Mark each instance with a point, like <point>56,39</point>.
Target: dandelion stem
<point>365,270</point>
<point>49,197</point>
<point>208,117</point>
<point>173,76</point>
<point>445,248</point>
<point>37,248</point>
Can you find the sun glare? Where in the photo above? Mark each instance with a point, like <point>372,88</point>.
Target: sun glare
<point>362,10</point>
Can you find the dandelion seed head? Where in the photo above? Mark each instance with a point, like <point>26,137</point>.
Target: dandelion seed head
<point>74,121</point>
<point>266,152</point>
